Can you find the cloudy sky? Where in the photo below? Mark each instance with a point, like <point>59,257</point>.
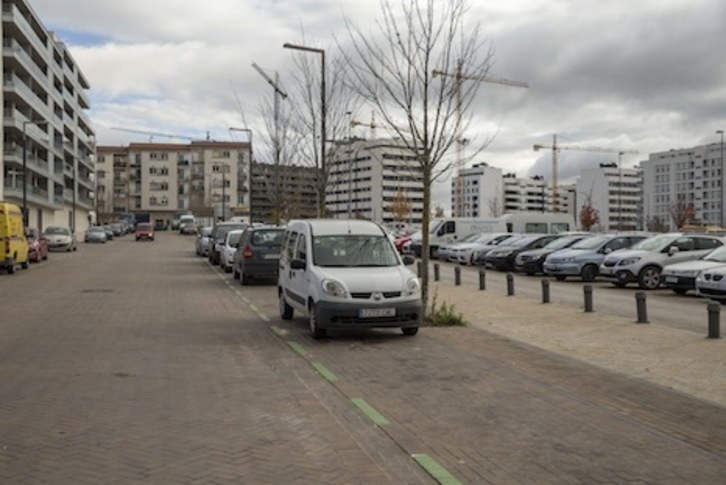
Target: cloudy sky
<point>646,75</point>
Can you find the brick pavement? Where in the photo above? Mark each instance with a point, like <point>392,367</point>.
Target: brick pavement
<point>165,374</point>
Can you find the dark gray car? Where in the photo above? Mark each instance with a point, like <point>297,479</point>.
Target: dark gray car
<point>258,254</point>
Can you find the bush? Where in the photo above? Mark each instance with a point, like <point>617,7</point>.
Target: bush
<point>443,316</point>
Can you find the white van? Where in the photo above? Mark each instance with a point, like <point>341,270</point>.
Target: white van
<point>346,274</point>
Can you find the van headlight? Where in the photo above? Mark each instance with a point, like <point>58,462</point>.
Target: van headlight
<point>334,288</point>
<point>413,287</point>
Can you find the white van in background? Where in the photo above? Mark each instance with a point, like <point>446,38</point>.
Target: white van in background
<point>346,274</point>
<point>450,230</point>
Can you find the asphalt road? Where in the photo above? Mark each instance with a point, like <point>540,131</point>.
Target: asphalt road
<point>140,363</point>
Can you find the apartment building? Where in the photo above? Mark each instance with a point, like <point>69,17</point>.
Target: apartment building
<point>686,177</point>
<point>377,179</point>
<point>47,165</point>
<point>487,192</point>
<point>616,194</point>
<point>158,181</point>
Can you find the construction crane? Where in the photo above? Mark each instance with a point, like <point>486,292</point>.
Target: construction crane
<point>152,134</point>
<point>460,77</point>
<point>372,125</point>
<point>556,148</point>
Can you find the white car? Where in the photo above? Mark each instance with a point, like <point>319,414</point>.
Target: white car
<point>60,238</point>
<point>711,283</point>
<point>463,253</point>
<point>643,262</point>
<point>681,277</point>
<point>229,247</point>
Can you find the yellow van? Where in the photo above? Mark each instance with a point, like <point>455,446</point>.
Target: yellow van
<point>13,245</point>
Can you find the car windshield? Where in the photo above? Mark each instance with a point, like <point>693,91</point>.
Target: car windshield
<point>354,251</point>
<point>143,226</point>
<point>97,229</point>
<point>220,232</point>
<point>469,238</point>
<point>206,232</point>
<point>233,237</point>
<point>591,242</point>
<point>717,255</point>
<point>560,242</point>
<point>654,243</point>
<point>53,231</point>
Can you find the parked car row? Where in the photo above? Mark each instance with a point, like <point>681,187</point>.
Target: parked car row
<point>680,261</point>
<point>247,251</point>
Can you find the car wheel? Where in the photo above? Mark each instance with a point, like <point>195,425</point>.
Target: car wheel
<point>409,331</point>
<point>11,266</point>
<point>649,278</point>
<point>589,273</point>
<point>227,269</point>
<point>235,274</point>
<point>680,291</point>
<point>244,278</point>
<point>286,310</point>
<point>45,257</point>
<point>25,264</point>
<point>560,278</point>
<point>315,330</point>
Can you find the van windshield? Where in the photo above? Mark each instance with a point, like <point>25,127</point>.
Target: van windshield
<point>345,251</point>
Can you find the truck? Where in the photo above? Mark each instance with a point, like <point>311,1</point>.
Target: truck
<point>452,229</point>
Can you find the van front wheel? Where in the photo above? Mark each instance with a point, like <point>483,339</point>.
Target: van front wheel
<point>410,331</point>
<point>315,330</point>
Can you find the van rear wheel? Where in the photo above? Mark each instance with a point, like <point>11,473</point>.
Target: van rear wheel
<point>286,310</point>
<point>410,331</point>
<point>315,330</point>
<point>11,266</point>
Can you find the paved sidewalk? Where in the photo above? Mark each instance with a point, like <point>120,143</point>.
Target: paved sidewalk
<point>670,357</point>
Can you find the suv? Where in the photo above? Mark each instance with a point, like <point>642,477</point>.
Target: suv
<point>583,258</point>
<point>347,274</point>
<point>643,262</point>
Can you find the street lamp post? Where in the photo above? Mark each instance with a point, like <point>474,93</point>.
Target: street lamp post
<point>720,132</point>
<point>323,167</point>
<point>25,167</point>
<point>620,191</point>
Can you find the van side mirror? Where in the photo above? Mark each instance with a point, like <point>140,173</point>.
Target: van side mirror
<point>408,259</point>
<point>297,264</point>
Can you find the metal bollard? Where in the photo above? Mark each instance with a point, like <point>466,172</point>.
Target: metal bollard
<point>641,307</point>
<point>587,289</point>
<point>418,268</point>
<point>457,276</point>
<point>436,271</point>
<point>545,290</point>
<point>510,284</point>
<point>714,320</point>
<point>482,279</point>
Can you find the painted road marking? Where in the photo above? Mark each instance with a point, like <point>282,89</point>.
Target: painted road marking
<point>370,411</point>
<point>298,348</point>
<point>324,371</point>
<point>432,467</point>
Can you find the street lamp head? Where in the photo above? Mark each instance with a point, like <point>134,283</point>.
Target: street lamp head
<point>719,132</point>
<point>288,45</point>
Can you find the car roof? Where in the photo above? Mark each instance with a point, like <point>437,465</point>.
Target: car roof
<point>337,227</point>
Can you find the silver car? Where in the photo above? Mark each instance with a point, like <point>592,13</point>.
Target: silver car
<point>204,241</point>
<point>681,277</point>
<point>95,234</point>
<point>60,238</point>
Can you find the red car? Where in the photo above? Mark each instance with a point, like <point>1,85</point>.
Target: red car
<point>400,241</point>
<point>144,230</point>
<point>37,245</point>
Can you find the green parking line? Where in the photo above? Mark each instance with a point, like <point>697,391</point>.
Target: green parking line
<point>277,330</point>
<point>370,411</point>
<point>298,348</point>
<point>439,473</point>
<point>325,372</point>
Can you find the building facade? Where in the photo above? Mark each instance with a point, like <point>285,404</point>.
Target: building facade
<point>158,181</point>
<point>283,192</point>
<point>615,193</point>
<point>378,179</point>
<point>487,192</point>
<point>687,178</point>
<point>47,165</point>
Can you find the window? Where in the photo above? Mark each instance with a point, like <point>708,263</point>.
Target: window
<point>301,252</point>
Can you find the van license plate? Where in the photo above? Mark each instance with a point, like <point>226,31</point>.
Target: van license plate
<point>671,279</point>
<point>376,312</point>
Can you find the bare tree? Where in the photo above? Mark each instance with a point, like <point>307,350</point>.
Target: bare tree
<point>655,224</point>
<point>307,101</point>
<point>589,216</point>
<point>682,212</point>
<point>495,207</point>
<point>394,71</point>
